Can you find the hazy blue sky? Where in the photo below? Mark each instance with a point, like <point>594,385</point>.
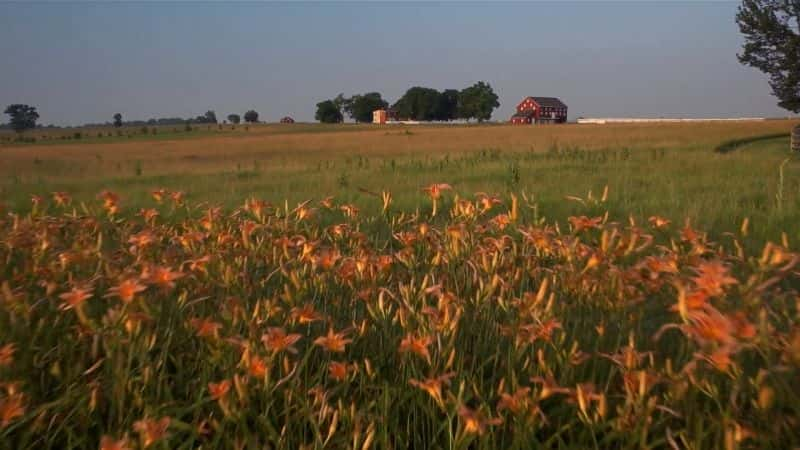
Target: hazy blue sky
<point>82,62</point>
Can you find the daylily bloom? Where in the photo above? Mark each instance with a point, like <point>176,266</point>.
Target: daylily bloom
<point>256,367</point>
<point>712,277</point>
<point>11,407</point>
<point>516,402</point>
<point>61,198</point>
<point>219,390</point>
<point>417,345</point>
<point>658,222</point>
<point>584,223</point>
<point>433,386</point>
<point>109,443</point>
<point>338,370</point>
<point>205,327</point>
<point>277,340</point>
<point>158,195</point>
<point>305,315</point>
<point>152,431</point>
<point>163,277</point>
<point>7,354</point>
<point>474,422</point>
<point>333,342</point>
<point>75,298</point>
<point>126,290</point>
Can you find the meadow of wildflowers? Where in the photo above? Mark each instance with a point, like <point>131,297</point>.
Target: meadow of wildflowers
<point>187,325</point>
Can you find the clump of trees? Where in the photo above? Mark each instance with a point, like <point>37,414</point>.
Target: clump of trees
<point>209,117</point>
<point>418,103</point>
<point>117,120</point>
<point>772,45</point>
<point>251,116</point>
<point>21,117</point>
<point>234,119</point>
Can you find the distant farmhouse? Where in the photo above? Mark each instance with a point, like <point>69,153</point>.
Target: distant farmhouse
<point>287,119</point>
<point>540,110</point>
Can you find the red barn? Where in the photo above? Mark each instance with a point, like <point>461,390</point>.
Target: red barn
<point>540,110</point>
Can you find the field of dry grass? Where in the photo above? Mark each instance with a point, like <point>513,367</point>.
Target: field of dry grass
<point>300,145</point>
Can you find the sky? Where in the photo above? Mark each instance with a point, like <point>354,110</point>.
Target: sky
<point>80,62</point>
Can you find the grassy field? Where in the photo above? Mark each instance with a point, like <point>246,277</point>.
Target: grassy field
<point>670,170</point>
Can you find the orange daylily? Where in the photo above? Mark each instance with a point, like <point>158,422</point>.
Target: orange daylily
<point>333,342</point>
<point>219,390</point>
<point>75,298</point>
<point>338,370</point>
<point>277,340</point>
<point>516,402</point>
<point>11,407</point>
<point>158,195</point>
<point>61,198</point>
<point>7,354</point>
<point>257,367</point>
<point>205,327</point>
<point>474,422</point>
<point>152,431</point>
<point>305,315</point>
<point>417,345</point>
<point>433,386</point>
<point>163,277</point>
<point>109,443</point>
<point>712,277</point>
<point>658,222</point>
<point>435,190</point>
<point>126,290</point>
<point>585,223</point>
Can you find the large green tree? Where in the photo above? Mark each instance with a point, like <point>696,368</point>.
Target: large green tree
<point>21,117</point>
<point>418,103</point>
<point>234,119</point>
<point>447,106</point>
<point>117,120</point>
<point>328,112</point>
<point>772,44</point>
<point>477,102</point>
<point>360,107</point>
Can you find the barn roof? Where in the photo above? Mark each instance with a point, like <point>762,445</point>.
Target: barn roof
<point>549,102</point>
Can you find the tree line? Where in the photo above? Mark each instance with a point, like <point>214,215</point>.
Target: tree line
<point>24,117</point>
<point>475,102</point>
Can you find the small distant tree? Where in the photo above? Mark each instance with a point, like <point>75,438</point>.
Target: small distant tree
<point>477,102</point>
<point>772,45</point>
<point>328,112</point>
<point>211,117</point>
<point>234,119</point>
<point>22,117</point>
<point>251,116</point>
<point>117,120</point>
